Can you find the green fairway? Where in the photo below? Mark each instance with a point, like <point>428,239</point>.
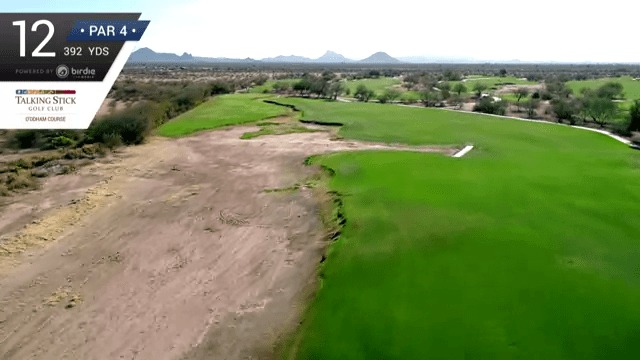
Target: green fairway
<point>492,82</point>
<point>378,85</point>
<point>631,87</point>
<point>268,85</point>
<point>631,90</point>
<point>526,248</point>
<point>220,111</point>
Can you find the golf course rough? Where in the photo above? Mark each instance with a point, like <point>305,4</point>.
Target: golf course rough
<point>526,248</point>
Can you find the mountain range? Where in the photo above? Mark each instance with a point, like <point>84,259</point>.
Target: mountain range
<point>144,55</point>
<point>330,57</point>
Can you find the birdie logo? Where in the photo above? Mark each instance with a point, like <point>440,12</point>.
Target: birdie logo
<point>62,71</point>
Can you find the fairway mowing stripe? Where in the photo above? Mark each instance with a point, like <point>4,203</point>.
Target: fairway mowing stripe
<point>463,151</point>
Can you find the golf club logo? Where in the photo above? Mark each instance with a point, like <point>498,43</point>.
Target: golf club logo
<point>62,71</point>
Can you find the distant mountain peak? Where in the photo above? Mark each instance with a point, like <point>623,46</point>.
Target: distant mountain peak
<point>380,57</point>
<point>332,57</point>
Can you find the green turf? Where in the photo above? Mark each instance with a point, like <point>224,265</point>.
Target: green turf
<point>268,85</point>
<point>511,97</point>
<point>492,82</point>
<point>631,87</point>
<point>631,91</point>
<point>526,248</point>
<point>378,85</point>
<point>221,111</point>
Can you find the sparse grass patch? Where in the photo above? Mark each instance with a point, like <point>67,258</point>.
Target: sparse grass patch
<point>4,190</point>
<point>21,180</point>
<point>277,129</point>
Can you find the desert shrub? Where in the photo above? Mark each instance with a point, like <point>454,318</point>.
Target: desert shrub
<point>407,98</point>
<point>4,191</point>
<point>25,139</point>
<point>132,125</point>
<point>112,140</point>
<point>190,96</point>
<point>20,181</point>
<point>621,129</point>
<point>530,107</point>
<point>389,95</point>
<point>221,87</point>
<point>455,100</point>
<point>281,87</point>
<point>488,105</point>
<point>633,122</point>
<point>260,80</point>
<point>62,141</point>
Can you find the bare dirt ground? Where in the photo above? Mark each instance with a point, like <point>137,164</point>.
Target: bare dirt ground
<point>168,250</point>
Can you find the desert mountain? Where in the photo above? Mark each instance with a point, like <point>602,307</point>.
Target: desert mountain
<point>380,58</point>
<point>148,55</point>
<point>332,57</point>
<point>287,59</point>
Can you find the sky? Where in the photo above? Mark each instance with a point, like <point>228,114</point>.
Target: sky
<point>541,30</point>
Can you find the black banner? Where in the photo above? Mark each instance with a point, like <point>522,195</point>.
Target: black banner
<point>34,47</point>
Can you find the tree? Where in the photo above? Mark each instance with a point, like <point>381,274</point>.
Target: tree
<point>444,86</point>
<point>634,116</point>
<point>479,87</point>
<point>600,109</point>
<point>452,75</point>
<point>410,81</point>
<point>455,101</point>
<point>520,93</point>
<point>503,72</point>
<point>558,89</point>
<point>336,89</point>
<point>430,98</point>
<point>320,87</point>
<point>564,109</point>
<point>328,76</point>
<point>610,90</point>
<point>530,107</point>
<point>428,81</point>
<point>489,106</point>
<point>303,86</point>
<point>363,93</point>
<point>459,88</point>
<point>389,95</point>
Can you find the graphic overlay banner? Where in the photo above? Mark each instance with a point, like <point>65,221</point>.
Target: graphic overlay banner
<point>56,69</point>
